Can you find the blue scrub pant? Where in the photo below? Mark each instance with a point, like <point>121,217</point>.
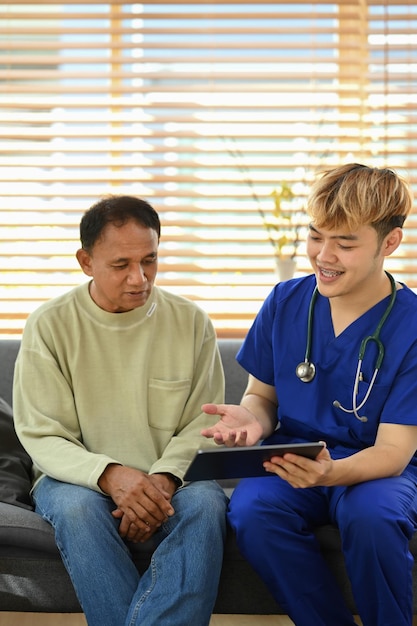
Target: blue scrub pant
<point>274,525</point>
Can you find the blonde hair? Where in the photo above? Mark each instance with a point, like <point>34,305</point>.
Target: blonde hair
<point>354,195</point>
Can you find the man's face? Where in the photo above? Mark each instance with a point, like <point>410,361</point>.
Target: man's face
<point>346,263</point>
<point>123,265</point>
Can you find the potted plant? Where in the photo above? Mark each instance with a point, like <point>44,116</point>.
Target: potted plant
<point>283,226</point>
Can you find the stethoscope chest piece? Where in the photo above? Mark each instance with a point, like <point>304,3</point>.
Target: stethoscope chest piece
<point>305,371</point>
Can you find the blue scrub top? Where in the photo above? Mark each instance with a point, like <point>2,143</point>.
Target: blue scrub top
<point>276,344</point>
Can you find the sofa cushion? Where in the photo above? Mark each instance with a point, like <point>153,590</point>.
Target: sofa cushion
<point>15,463</point>
<point>24,531</point>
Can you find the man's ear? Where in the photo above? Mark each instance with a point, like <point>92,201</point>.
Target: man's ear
<point>392,241</point>
<point>84,260</point>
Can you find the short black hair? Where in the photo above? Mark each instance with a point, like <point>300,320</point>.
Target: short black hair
<point>117,210</point>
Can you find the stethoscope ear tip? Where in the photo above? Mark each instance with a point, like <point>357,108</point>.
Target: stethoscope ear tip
<point>361,418</point>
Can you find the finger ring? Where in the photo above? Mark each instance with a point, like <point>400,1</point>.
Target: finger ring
<point>147,523</point>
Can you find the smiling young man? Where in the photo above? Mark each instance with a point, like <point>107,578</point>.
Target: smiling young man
<point>333,357</point>
<point>109,384</point>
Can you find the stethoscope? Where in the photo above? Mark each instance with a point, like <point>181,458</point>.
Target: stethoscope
<point>306,370</point>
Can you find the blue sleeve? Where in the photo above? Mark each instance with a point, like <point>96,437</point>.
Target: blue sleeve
<point>280,316</point>
<point>256,354</point>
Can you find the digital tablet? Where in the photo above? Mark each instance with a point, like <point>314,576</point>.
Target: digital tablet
<point>223,462</point>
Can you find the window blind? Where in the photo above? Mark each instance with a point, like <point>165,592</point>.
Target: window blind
<point>206,109</point>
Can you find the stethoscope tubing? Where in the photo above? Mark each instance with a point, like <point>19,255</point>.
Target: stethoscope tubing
<point>306,370</point>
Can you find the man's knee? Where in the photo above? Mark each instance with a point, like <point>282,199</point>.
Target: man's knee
<point>202,499</point>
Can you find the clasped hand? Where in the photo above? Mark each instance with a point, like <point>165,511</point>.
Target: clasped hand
<point>143,501</point>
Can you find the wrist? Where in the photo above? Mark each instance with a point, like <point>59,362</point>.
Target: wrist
<point>105,480</point>
<point>173,480</point>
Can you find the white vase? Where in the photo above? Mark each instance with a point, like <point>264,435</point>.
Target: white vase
<point>285,268</point>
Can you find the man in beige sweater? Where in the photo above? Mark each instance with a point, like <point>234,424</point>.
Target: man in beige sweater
<point>109,385</point>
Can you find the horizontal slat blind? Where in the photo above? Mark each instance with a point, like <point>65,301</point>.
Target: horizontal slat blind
<point>205,109</point>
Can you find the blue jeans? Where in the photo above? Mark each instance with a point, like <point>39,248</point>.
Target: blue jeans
<point>179,587</point>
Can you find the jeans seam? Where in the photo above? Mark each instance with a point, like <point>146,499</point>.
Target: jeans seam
<point>145,594</point>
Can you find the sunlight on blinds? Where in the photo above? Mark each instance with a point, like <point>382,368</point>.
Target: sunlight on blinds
<point>205,109</point>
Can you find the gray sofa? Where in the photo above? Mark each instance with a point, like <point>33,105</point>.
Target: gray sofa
<point>33,578</point>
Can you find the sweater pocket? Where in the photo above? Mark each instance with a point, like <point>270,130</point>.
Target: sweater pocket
<point>166,402</point>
